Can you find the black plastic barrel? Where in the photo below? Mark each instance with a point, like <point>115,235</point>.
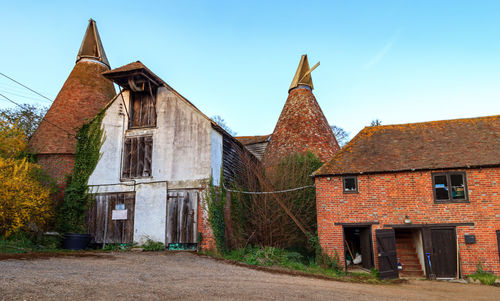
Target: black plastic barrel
<point>76,241</point>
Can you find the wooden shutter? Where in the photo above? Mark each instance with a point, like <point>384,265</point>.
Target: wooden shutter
<point>137,157</point>
<point>386,247</point>
<point>143,109</point>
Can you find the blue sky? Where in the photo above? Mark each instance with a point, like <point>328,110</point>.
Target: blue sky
<point>398,61</point>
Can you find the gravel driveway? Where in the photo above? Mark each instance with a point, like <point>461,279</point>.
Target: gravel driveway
<point>164,275</point>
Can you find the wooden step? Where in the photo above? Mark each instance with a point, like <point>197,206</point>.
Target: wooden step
<point>409,262</point>
<point>411,273</point>
<point>412,267</point>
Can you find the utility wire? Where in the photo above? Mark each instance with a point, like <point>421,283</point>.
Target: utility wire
<point>42,118</point>
<point>26,87</point>
<point>267,192</point>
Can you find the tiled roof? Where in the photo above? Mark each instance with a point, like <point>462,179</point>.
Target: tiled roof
<point>129,67</point>
<point>246,140</point>
<point>301,127</point>
<point>82,96</point>
<point>458,143</point>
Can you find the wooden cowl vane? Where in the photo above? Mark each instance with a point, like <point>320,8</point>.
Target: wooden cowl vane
<point>301,126</point>
<point>82,96</point>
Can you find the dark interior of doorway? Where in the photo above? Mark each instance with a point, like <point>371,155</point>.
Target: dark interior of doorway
<point>358,240</point>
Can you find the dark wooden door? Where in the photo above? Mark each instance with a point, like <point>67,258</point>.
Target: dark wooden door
<point>444,253</point>
<point>498,241</point>
<point>365,241</point>
<point>182,208</point>
<point>386,253</point>
<point>101,225</point>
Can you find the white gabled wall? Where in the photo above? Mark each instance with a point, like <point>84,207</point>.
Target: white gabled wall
<point>182,158</point>
<point>216,156</point>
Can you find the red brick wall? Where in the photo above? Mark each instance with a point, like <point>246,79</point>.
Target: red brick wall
<point>58,166</point>
<point>208,240</point>
<point>387,198</point>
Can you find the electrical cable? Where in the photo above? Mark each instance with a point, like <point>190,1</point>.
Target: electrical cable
<point>267,192</point>
<point>43,119</point>
<point>39,94</point>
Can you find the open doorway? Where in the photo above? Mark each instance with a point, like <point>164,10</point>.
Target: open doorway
<point>410,252</point>
<point>358,247</point>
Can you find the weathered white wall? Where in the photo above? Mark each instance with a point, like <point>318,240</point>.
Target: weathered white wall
<point>150,212</point>
<point>216,156</point>
<point>419,247</point>
<point>181,159</point>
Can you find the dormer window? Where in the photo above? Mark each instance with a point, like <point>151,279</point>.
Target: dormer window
<point>142,109</point>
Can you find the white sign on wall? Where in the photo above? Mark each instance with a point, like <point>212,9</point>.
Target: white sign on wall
<point>119,214</point>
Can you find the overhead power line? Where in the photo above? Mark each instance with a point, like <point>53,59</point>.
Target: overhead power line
<point>10,100</point>
<point>39,94</point>
<point>267,192</point>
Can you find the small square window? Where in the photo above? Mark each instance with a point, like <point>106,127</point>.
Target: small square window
<point>350,184</point>
<point>449,187</point>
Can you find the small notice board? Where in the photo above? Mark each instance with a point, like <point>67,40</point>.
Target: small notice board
<point>119,214</point>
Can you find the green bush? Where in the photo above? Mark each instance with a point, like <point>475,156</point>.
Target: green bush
<point>23,242</point>
<point>323,259</point>
<point>483,276</point>
<point>152,245</point>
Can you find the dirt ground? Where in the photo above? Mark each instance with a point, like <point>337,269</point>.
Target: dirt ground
<point>171,276</point>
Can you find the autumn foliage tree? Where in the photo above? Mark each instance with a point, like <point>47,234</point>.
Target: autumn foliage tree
<point>24,202</point>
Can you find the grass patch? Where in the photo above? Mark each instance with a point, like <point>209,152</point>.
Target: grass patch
<point>294,261</point>
<point>151,245</point>
<point>22,242</point>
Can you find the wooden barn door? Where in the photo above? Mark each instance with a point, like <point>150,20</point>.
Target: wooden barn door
<point>386,247</point>
<point>103,227</point>
<point>182,208</point>
<point>444,253</point>
<point>365,242</point>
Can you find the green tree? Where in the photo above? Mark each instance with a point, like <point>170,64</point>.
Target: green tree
<point>27,117</point>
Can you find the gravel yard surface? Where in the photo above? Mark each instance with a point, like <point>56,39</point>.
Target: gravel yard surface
<point>172,276</point>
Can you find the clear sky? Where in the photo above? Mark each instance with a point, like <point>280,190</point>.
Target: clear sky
<point>398,61</point>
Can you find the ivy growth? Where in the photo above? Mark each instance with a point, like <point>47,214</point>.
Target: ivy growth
<point>71,215</point>
<point>216,202</point>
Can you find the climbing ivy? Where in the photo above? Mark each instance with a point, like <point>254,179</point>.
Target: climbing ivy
<point>216,202</point>
<point>71,215</point>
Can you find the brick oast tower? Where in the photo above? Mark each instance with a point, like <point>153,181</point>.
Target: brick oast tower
<point>82,96</point>
<point>302,126</point>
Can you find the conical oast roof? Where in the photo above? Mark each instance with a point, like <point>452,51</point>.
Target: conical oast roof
<point>82,96</point>
<point>302,126</point>
<point>91,47</point>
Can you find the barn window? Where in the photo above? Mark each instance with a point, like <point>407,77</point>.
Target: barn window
<point>449,187</point>
<point>142,109</point>
<point>137,154</point>
<point>350,184</point>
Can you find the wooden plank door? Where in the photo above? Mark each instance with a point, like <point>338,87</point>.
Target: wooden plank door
<point>181,223</point>
<point>498,241</point>
<point>386,247</point>
<point>444,253</point>
<point>101,225</point>
<point>365,241</point>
